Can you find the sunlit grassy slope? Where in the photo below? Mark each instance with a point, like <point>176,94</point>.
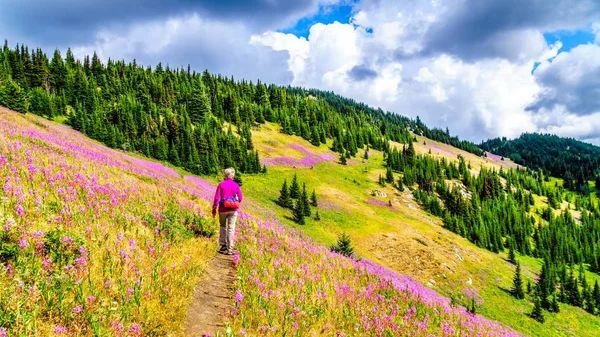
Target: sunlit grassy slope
<point>93,241</point>
<point>97,242</point>
<point>402,237</point>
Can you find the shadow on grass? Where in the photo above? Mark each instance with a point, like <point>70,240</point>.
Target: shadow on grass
<point>507,291</point>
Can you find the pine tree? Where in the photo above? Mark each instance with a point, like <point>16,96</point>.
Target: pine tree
<point>517,289</point>
<point>298,212</point>
<point>284,196</point>
<point>381,181</point>
<point>555,306</point>
<point>305,202</point>
<point>294,188</point>
<point>13,96</point>
<point>343,245</point>
<point>511,253</point>
<point>400,185</point>
<point>198,105</point>
<point>238,178</point>
<point>39,102</point>
<point>389,176</point>
<point>317,216</point>
<point>313,198</point>
<point>473,308</point>
<point>596,296</point>
<point>343,158</point>
<point>537,312</point>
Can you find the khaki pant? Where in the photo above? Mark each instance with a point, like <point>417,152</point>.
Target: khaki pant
<point>227,229</point>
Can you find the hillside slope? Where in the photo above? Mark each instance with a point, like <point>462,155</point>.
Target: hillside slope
<point>96,241</point>
<point>402,237</point>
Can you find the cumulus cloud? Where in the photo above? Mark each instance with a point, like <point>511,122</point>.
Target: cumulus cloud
<point>473,29</point>
<point>570,80</point>
<point>476,100</point>
<point>474,75</point>
<point>68,22</point>
<point>466,64</point>
<point>203,43</point>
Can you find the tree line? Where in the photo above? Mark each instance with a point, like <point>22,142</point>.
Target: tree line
<point>574,161</point>
<point>493,209</point>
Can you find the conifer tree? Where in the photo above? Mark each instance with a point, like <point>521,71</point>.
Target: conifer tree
<point>554,305</point>
<point>298,212</point>
<point>511,252</point>
<point>537,312</point>
<point>343,158</point>
<point>13,96</point>
<point>317,216</point>
<point>343,245</point>
<point>517,289</point>
<point>198,106</point>
<point>596,296</point>
<point>238,178</point>
<point>284,196</point>
<point>400,185</point>
<point>389,177</point>
<point>305,202</point>
<point>313,198</point>
<point>294,188</point>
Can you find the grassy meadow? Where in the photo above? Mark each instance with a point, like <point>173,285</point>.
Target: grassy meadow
<point>403,237</point>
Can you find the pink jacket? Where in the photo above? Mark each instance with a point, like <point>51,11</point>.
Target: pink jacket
<point>226,189</point>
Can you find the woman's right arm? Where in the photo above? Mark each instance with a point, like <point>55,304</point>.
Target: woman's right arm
<point>216,200</point>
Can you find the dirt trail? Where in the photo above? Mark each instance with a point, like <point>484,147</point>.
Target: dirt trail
<point>213,293</point>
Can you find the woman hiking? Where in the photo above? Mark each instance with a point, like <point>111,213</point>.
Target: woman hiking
<point>227,198</point>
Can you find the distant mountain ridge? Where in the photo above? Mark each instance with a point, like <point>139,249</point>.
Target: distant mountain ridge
<point>567,158</point>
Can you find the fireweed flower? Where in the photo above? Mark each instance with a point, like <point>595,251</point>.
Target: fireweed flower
<point>238,296</point>
<point>135,329</point>
<point>23,243</point>
<point>77,309</point>
<point>59,330</point>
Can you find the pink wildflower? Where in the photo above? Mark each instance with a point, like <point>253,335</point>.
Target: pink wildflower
<point>238,296</point>
<point>59,330</point>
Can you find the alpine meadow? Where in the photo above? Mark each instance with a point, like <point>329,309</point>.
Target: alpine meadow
<point>355,221</point>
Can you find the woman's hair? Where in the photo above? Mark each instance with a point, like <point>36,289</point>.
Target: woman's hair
<point>229,172</point>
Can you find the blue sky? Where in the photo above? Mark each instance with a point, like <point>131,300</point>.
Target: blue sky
<point>343,12</point>
<point>570,39</point>
<point>326,15</point>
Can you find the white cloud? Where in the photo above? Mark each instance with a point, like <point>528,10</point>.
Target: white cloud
<point>572,80</point>
<point>477,98</point>
<point>596,30</point>
<point>221,47</point>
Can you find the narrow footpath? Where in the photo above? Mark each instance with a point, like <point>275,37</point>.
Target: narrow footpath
<point>211,297</point>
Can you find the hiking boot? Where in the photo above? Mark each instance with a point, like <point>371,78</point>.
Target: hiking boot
<point>222,250</point>
<point>229,252</point>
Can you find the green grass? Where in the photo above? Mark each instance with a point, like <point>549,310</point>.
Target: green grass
<point>403,237</point>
